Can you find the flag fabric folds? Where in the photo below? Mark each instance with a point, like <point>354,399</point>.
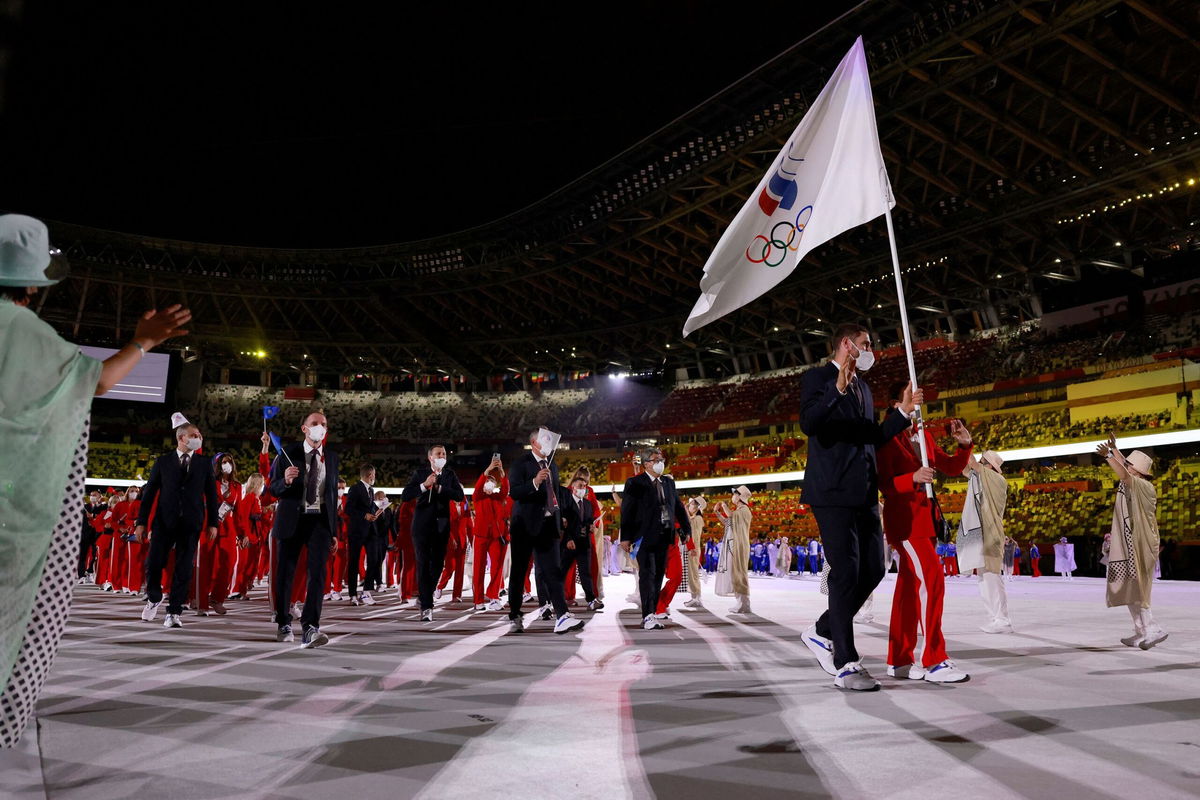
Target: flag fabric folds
<point>828,178</point>
<point>270,412</point>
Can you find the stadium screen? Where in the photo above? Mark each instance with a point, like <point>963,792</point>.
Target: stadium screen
<point>146,383</point>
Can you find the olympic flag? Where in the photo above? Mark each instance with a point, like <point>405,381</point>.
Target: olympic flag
<point>828,178</point>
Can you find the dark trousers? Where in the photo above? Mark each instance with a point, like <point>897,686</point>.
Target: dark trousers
<point>652,566</point>
<point>542,549</point>
<point>87,548</point>
<point>582,557</point>
<point>376,546</point>
<point>853,542</point>
<point>431,557</point>
<point>163,539</point>
<point>354,548</point>
<point>312,530</point>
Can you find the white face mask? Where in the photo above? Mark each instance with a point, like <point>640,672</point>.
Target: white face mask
<point>581,493</point>
<point>227,468</point>
<point>382,504</point>
<point>195,443</point>
<point>133,495</point>
<point>96,500</point>
<point>316,433</point>
<point>657,467</point>
<point>864,360</point>
<point>490,487</point>
<point>341,492</point>
<point>439,463</point>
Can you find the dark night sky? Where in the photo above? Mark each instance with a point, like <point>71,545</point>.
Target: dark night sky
<point>321,126</point>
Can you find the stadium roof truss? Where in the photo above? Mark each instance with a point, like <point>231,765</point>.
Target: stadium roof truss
<point>1024,139</point>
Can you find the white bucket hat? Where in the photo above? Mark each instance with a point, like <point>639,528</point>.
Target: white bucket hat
<point>993,458</point>
<point>1140,462</point>
<point>25,253</point>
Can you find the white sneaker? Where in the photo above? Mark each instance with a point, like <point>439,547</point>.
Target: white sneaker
<point>912,672</point>
<point>527,597</point>
<point>651,624</point>
<point>172,621</point>
<point>367,599</point>
<point>996,626</point>
<point>1132,641</point>
<point>634,598</point>
<point>297,610</point>
<point>107,587</point>
<point>150,611</point>
<point>567,623</point>
<point>335,596</point>
<point>494,605</point>
<point>946,672</point>
<point>479,607</point>
<point>664,618</point>
<point>355,601</point>
<point>821,647</point>
<point>437,594</point>
<point>864,618</point>
<point>328,596</point>
<point>855,677</point>
<point>1152,638</point>
<point>546,612</point>
<point>693,603</point>
<point>427,615</point>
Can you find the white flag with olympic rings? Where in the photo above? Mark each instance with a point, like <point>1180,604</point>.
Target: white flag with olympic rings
<point>828,178</point>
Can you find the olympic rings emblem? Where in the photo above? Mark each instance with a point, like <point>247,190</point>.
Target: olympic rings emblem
<point>785,236</point>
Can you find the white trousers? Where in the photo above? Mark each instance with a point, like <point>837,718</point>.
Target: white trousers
<point>995,597</point>
<point>1143,620</point>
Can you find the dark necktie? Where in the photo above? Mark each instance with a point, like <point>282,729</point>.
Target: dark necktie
<point>551,500</point>
<point>310,480</point>
<point>184,461</point>
<point>858,395</point>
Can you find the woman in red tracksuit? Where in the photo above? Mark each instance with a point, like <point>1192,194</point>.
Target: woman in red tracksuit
<point>122,533</point>
<point>250,536</point>
<point>493,507</point>
<point>135,573</point>
<point>216,556</point>
<point>105,524</point>
<point>908,526</point>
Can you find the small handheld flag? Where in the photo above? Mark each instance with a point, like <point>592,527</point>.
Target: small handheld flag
<point>269,412</point>
<point>279,447</point>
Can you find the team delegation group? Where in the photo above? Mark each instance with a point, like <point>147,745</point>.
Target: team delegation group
<point>295,526</point>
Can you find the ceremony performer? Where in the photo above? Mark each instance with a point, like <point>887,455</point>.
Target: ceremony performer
<point>1133,547</point>
<point>251,533</point>
<point>493,507</point>
<point>908,523</point>
<point>987,494</point>
<point>182,490</point>
<point>1064,559</point>
<point>535,531</point>
<point>434,487</point>
<point>695,512</point>
<point>455,566</point>
<point>737,542</point>
<point>304,481</point>
<point>841,486</point>
<point>46,390</point>
<point>650,511</point>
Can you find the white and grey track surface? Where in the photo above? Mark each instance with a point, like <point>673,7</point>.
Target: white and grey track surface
<point>714,706</point>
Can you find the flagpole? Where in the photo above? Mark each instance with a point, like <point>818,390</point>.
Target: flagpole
<point>908,351</point>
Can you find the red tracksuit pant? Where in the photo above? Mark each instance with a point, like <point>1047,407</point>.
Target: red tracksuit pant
<point>917,605</point>
<point>455,567</point>
<point>487,551</point>
<point>119,569</point>
<point>674,573</point>
<point>104,550</point>
<point>214,568</point>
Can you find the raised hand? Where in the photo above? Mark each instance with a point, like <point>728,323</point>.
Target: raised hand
<point>155,327</point>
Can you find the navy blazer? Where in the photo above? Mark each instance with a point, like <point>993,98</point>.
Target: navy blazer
<point>640,516</point>
<point>359,501</point>
<point>578,520</point>
<point>431,515</point>
<point>842,438</point>
<point>290,508</point>
<point>182,499</point>
<point>529,501</point>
